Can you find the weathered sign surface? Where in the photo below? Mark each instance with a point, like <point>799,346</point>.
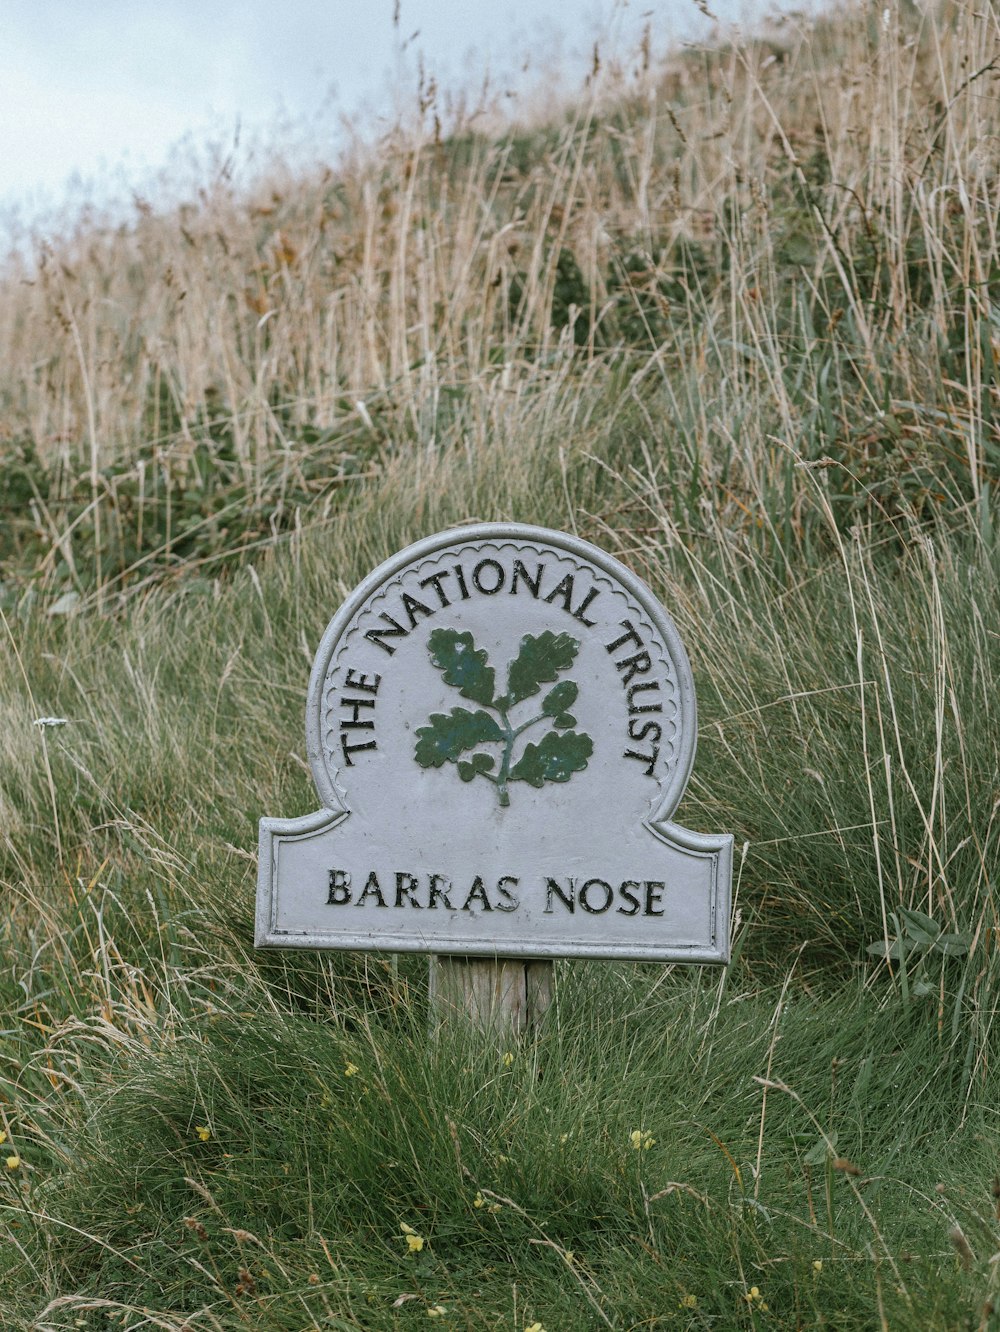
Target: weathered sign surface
<point>500,723</point>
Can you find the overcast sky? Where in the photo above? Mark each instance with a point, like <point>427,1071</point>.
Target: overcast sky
<point>98,88</point>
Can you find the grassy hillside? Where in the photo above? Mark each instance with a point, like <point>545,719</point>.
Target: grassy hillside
<point>734,319</point>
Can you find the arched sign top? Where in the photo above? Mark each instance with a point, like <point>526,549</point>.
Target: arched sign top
<point>487,588</point>
<point>500,723</point>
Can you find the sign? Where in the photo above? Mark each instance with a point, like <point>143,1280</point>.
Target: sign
<point>500,723</point>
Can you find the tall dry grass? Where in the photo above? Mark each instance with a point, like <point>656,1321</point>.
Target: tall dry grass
<point>807,222</point>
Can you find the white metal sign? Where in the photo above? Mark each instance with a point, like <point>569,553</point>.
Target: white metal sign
<point>500,724</point>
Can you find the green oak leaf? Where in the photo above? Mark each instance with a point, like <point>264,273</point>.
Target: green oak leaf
<point>451,734</point>
<point>554,759</point>
<point>468,768</point>
<point>542,657</point>
<point>462,664</point>
<point>559,700</point>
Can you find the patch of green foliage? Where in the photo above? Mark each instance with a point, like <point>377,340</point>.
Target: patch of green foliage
<point>633,1162</point>
<point>187,501</point>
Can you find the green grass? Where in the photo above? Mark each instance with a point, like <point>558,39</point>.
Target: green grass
<point>520,1175</point>
<point>735,321</point>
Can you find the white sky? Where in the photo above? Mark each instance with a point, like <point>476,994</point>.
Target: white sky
<point>101,89</point>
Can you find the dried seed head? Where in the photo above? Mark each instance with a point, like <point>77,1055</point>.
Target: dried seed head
<point>962,1247</point>
<point>846,1167</point>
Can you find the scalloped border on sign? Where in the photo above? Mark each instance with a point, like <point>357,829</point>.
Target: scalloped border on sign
<point>496,536</point>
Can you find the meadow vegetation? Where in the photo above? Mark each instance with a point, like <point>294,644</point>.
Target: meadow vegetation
<point>734,318</point>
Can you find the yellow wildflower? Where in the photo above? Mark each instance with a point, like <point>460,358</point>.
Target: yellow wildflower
<point>493,1209</point>
<point>817,1264</point>
<point>350,1070</point>
<point>13,1161</point>
<point>753,1296</point>
<point>3,1137</point>
<point>203,1132</point>
<point>479,1201</point>
<point>641,1139</point>
<point>436,1311</point>
<point>507,1059</point>
<point>534,1327</point>
<point>414,1242</point>
<point>689,1302</point>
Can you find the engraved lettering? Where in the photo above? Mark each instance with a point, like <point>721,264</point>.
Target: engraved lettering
<point>654,891</point>
<point>350,749</point>
<point>640,663</point>
<point>413,607</point>
<point>648,759</point>
<point>434,580</point>
<point>519,572</point>
<point>552,888</point>
<point>395,630</point>
<point>632,690</point>
<point>564,589</point>
<point>436,892</point>
<point>500,574</point>
<point>626,892</point>
<point>596,907</point>
<point>340,888</point>
<point>355,723</point>
<point>511,902</point>
<point>477,893</point>
<point>629,636</point>
<point>406,886</point>
<point>372,889</point>
<point>652,729</point>
<point>578,613</point>
<point>355,681</point>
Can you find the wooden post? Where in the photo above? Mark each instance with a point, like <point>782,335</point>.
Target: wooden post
<point>505,994</point>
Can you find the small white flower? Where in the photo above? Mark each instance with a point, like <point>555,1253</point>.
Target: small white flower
<point>51,721</point>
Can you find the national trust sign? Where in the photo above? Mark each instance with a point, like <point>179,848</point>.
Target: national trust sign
<point>500,724</point>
